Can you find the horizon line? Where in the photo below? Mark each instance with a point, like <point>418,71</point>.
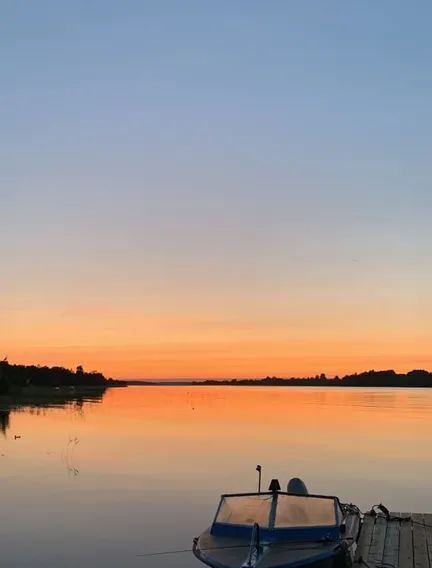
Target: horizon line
<point>257,378</point>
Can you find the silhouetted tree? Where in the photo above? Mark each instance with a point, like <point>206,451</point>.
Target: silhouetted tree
<point>15,377</point>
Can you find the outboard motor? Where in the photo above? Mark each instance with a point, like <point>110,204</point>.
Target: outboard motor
<point>297,486</point>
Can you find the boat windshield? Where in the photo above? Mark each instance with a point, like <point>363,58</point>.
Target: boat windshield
<point>245,510</point>
<point>290,511</point>
<point>300,511</point>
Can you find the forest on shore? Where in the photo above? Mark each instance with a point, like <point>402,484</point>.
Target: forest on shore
<point>388,378</point>
<point>15,378</point>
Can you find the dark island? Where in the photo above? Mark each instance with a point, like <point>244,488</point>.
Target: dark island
<point>16,379</point>
<point>417,378</point>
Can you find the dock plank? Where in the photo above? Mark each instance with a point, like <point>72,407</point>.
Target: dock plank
<point>421,557</point>
<point>391,543</point>
<point>428,530</point>
<point>362,552</point>
<point>406,555</point>
<point>376,550</point>
<point>402,541</point>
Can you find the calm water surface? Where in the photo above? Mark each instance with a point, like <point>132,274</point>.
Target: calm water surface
<point>142,470</point>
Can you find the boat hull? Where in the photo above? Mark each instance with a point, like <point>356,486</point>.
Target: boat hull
<point>220,552</point>
<point>280,530</point>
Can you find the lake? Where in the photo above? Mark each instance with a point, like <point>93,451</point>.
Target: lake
<point>141,470</point>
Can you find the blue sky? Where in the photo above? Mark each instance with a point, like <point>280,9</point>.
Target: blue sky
<point>226,162</point>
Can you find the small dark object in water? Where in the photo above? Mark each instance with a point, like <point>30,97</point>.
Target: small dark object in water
<point>17,437</point>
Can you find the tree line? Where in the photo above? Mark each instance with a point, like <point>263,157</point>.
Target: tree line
<point>16,377</point>
<point>388,378</point>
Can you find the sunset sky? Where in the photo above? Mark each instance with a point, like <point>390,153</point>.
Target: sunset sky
<point>216,189</point>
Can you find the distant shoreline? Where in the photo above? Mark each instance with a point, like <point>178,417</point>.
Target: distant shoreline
<point>417,378</point>
<point>35,380</point>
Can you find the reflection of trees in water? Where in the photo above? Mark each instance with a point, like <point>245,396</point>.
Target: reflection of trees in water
<point>39,403</point>
<point>4,420</point>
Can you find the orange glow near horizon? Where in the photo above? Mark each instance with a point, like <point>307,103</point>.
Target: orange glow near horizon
<point>203,333</point>
<point>238,358</point>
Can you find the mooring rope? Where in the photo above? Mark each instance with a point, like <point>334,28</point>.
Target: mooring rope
<point>233,546</point>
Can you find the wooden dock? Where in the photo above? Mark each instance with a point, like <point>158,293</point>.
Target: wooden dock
<point>402,541</point>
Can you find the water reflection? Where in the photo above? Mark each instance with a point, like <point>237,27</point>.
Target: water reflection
<point>4,421</point>
<point>38,401</point>
<point>138,470</point>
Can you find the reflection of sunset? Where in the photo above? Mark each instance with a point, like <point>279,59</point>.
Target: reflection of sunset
<point>212,436</point>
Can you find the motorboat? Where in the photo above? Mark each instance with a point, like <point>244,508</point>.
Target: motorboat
<point>277,529</point>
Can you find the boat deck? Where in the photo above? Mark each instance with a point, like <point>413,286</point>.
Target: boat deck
<point>404,542</point>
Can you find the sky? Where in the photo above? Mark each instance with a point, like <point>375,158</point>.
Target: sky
<point>216,189</point>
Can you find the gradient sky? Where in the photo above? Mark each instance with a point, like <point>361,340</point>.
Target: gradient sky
<point>209,189</point>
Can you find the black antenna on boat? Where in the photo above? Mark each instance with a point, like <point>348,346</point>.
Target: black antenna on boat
<point>258,468</point>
